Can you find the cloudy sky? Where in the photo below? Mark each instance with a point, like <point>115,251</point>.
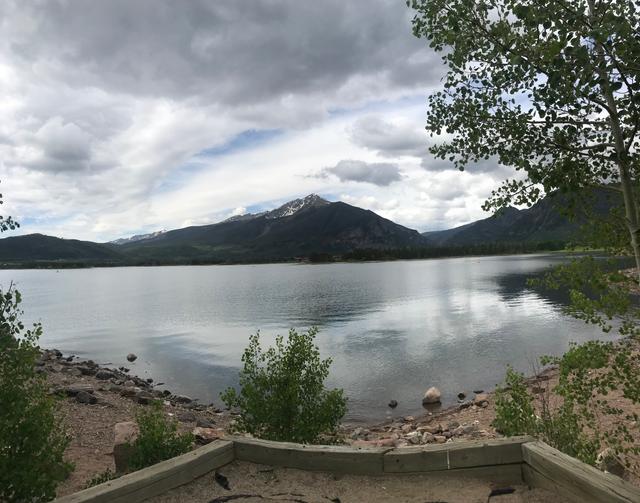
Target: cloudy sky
<point>126,116</point>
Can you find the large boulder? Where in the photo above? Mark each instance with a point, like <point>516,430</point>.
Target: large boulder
<point>431,396</point>
<point>125,434</point>
<point>131,357</point>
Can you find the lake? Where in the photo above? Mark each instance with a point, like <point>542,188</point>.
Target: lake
<point>393,329</point>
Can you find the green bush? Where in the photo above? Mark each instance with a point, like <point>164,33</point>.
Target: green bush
<point>282,394</point>
<point>32,439</point>
<point>158,439</point>
<point>563,427</point>
<point>101,478</point>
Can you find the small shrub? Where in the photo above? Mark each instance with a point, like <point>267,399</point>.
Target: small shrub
<point>32,438</point>
<point>158,439</point>
<point>101,478</point>
<point>515,413</point>
<point>282,394</point>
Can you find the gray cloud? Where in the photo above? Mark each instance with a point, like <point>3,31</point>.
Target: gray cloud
<point>377,173</point>
<point>389,139</point>
<point>223,52</point>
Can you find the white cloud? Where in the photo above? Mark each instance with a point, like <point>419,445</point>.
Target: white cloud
<point>103,124</point>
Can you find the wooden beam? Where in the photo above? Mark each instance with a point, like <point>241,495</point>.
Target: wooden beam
<point>426,458</point>
<point>157,479</point>
<point>549,468</point>
<point>335,459</point>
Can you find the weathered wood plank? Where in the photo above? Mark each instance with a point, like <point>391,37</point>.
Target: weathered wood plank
<point>158,478</point>
<point>455,455</point>
<point>551,469</point>
<point>335,459</point>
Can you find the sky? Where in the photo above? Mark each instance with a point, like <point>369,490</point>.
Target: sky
<point>122,117</point>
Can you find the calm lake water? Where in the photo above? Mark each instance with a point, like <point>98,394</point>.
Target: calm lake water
<point>393,329</point>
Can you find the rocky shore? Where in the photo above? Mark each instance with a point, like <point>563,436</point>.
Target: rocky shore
<point>95,399</point>
<point>98,403</point>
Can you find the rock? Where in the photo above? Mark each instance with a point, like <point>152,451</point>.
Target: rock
<point>465,405</point>
<point>130,391</point>
<point>414,438</point>
<point>433,429</point>
<point>461,396</point>
<point>453,425</point>
<point>481,400</point>
<point>129,383</point>
<point>608,462</point>
<point>393,404</point>
<point>186,417</point>
<point>364,443</point>
<point>359,434</point>
<point>385,442</point>
<point>431,396</point>
<point>144,398</point>
<point>149,380</point>
<point>124,435</point>
<point>406,428</point>
<point>105,374</point>
<point>447,434</point>
<point>408,419</point>
<point>131,357</point>
<point>84,397</point>
<point>204,423</point>
<point>439,439</point>
<point>166,392</point>
<point>182,399</point>
<point>73,371</point>
<point>478,391</point>
<point>85,370</point>
<point>74,389</point>
<point>70,358</point>
<point>206,435</point>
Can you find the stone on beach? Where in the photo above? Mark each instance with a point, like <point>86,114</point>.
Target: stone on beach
<point>86,397</point>
<point>431,396</point>
<point>481,400</point>
<point>131,357</point>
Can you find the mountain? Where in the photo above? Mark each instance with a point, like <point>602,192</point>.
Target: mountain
<point>298,228</point>
<point>137,237</point>
<point>38,247</point>
<point>542,222</point>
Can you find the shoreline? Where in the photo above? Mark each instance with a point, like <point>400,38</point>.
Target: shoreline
<point>94,398</point>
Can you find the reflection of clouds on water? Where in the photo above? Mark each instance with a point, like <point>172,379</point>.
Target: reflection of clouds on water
<point>393,329</point>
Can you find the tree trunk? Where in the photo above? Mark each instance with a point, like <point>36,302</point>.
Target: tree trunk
<point>622,158</point>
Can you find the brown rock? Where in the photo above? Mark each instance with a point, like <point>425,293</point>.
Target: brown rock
<point>481,400</point>
<point>206,435</point>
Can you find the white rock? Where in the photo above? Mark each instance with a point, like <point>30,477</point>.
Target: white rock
<point>431,396</point>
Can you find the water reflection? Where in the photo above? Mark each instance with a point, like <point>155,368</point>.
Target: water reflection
<point>393,329</point>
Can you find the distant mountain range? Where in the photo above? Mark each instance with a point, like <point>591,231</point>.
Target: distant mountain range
<point>542,222</point>
<point>301,228</point>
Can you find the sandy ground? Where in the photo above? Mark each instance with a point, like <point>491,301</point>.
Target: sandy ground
<point>257,483</point>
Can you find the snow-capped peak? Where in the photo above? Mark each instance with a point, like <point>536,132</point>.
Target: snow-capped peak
<point>288,209</point>
<point>138,237</point>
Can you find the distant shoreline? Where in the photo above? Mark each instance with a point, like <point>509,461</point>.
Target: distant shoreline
<point>48,265</point>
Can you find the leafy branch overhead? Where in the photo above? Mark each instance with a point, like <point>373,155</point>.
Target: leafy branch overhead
<point>550,88</point>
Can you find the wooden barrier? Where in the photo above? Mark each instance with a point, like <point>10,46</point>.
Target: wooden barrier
<point>336,459</point>
<point>157,479</point>
<point>501,451</point>
<point>548,468</point>
<point>506,460</point>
